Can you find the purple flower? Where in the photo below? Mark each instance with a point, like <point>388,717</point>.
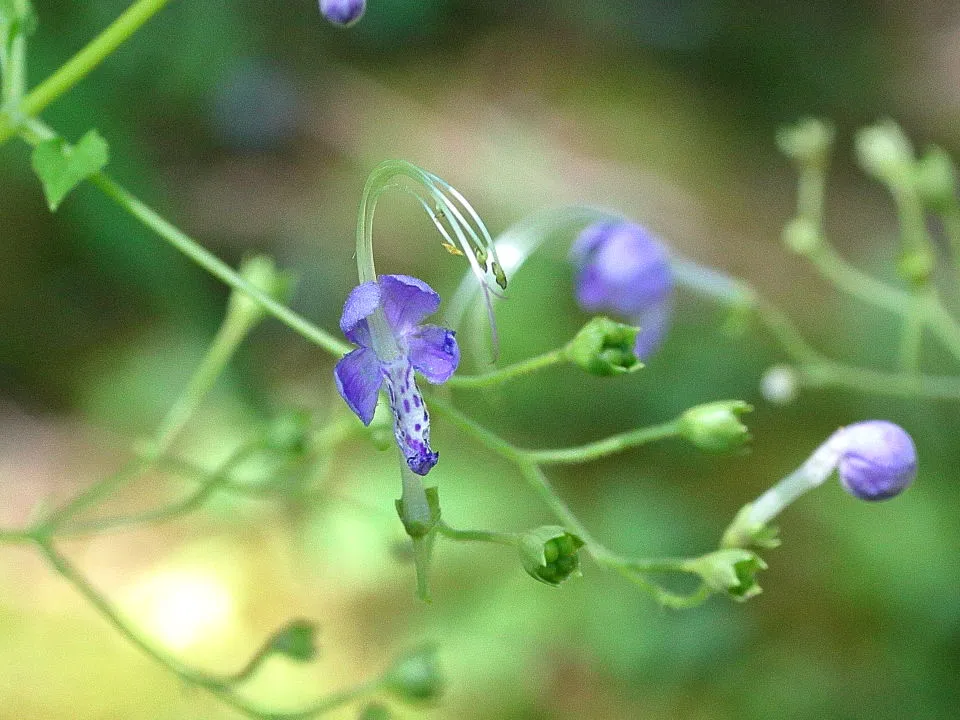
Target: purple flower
<point>877,459</point>
<point>383,318</point>
<point>623,268</point>
<point>343,12</point>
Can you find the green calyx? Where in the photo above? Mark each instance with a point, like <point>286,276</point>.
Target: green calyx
<point>716,426</point>
<point>731,572</point>
<point>296,640</point>
<point>550,554</point>
<point>604,347</point>
<point>415,676</point>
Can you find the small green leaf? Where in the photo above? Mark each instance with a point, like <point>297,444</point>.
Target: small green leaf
<point>61,166</point>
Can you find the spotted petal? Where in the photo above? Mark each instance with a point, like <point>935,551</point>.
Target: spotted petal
<point>359,379</point>
<point>360,304</point>
<point>434,352</point>
<point>406,302</point>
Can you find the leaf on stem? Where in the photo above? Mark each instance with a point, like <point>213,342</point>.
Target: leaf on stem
<point>62,166</point>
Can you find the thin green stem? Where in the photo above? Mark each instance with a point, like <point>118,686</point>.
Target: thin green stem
<point>911,334</point>
<point>856,283</point>
<point>220,686</point>
<point>811,192</point>
<point>80,65</point>
<point>472,427</point>
<point>951,226</point>
<point>35,131</point>
<point>785,333</point>
<point>607,446</point>
<point>496,377</point>
<point>488,536</point>
<point>216,267</point>
<point>538,481</point>
<point>227,340</point>
<point>874,382</point>
<point>13,64</point>
<point>942,323</point>
<point>214,482</point>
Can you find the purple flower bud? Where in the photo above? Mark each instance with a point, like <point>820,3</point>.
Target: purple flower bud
<point>343,12</point>
<point>877,459</point>
<point>623,268</point>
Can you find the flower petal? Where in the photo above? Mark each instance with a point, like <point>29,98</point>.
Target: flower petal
<point>654,323</point>
<point>359,379</point>
<point>360,304</point>
<point>622,267</point>
<point>406,302</point>
<point>434,352</point>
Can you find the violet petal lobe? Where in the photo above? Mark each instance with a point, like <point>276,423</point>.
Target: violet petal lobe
<point>358,379</point>
<point>434,352</point>
<point>406,302</point>
<point>361,303</point>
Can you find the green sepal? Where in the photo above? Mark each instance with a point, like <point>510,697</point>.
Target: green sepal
<point>296,640</point>
<point>260,271</point>
<point>801,236</point>
<point>935,179</point>
<point>743,533</point>
<point>885,152</point>
<point>731,572</point>
<point>415,676</point>
<point>808,142</point>
<point>289,432</point>
<point>604,347</point>
<point>61,166</point>
<point>716,426</point>
<point>423,534</point>
<point>550,554</point>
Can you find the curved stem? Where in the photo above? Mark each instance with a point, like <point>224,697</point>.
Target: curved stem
<point>216,685</point>
<point>80,65</point>
<point>495,377</point>
<point>489,536</point>
<point>216,267</point>
<point>866,380</point>
<point>607,446</point>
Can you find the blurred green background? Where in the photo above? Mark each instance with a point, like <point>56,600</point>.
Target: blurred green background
<point>252,125</point>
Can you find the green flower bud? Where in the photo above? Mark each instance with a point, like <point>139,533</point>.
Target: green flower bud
<point>916,266</point>
<point>807,143</point>
<point>935,178</point>
<point>415,676</point>
<point>550,554</point>
<point>716,426</point>
<point>296,640</point>
<point>604,347</point>
<point>884,151</point>
<point>801,236</point>
<point>732,572</point>
<point>289,432</point>
<point>261,272</point>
